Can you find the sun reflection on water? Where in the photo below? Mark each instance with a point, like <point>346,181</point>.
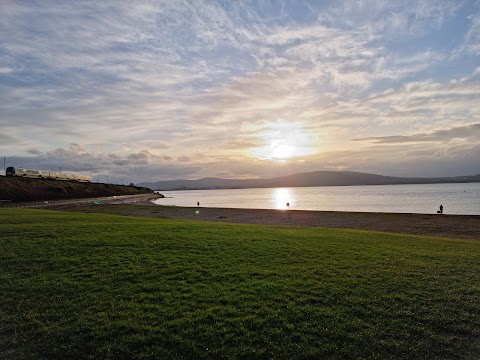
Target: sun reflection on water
<point>282,197</point>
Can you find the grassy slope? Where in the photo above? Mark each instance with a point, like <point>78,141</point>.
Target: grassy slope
<point>26,189</point>
<point>102,286</point>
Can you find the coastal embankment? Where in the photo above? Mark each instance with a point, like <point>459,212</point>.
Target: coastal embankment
<point>17,189</point>
<point>451,226</point>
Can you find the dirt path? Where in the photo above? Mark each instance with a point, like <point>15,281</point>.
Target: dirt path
<point>454,226</point>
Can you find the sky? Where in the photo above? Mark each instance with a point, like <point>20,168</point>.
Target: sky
<point>139,91</point>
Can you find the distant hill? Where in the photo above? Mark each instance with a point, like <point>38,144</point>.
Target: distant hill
<point>316,178</point>
<point>27,189</point>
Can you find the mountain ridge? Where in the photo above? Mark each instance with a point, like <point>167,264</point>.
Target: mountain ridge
<point>306,179</point>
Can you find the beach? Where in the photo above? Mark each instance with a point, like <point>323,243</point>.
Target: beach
<point>451,226</point>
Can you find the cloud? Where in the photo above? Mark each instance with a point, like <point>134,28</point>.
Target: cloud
<point>456,133</point>
<point>7,139</point>
<point>394,19</point>
<point>470,45</point>
<point>424,105</point>
<point>134,166</point>
<point>34,152</point>
<point>5,70</point>
<point>184,88</point>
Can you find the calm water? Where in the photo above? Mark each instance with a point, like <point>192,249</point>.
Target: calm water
<point>425,199</point>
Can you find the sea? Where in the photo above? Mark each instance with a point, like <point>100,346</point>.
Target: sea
<point>458,199</point>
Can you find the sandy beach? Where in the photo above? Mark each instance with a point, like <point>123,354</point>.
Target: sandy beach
<point>452,226</point>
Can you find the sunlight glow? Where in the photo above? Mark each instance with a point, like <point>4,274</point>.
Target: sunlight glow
<point>283,151</point>
<point>282,196</point>
<point>284,140</point>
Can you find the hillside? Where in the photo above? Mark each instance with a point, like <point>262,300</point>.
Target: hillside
<point>25,189</point>
<point>316,178</point>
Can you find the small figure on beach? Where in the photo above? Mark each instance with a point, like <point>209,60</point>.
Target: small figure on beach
<point>198,203</point>
<point>441,209</point>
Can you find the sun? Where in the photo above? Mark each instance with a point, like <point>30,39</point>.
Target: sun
<point>282,151</point>
<point>284,140</point>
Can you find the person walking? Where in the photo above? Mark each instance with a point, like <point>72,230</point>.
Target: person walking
<point>441,209</point>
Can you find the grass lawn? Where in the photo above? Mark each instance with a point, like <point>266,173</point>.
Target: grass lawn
<point>95,286</point>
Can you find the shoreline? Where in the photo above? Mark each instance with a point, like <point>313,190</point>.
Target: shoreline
<point>450,226</point>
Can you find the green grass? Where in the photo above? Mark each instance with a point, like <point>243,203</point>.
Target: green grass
<point>91,286</point>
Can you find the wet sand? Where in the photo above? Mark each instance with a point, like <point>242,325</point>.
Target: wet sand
<point>452,226</point>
